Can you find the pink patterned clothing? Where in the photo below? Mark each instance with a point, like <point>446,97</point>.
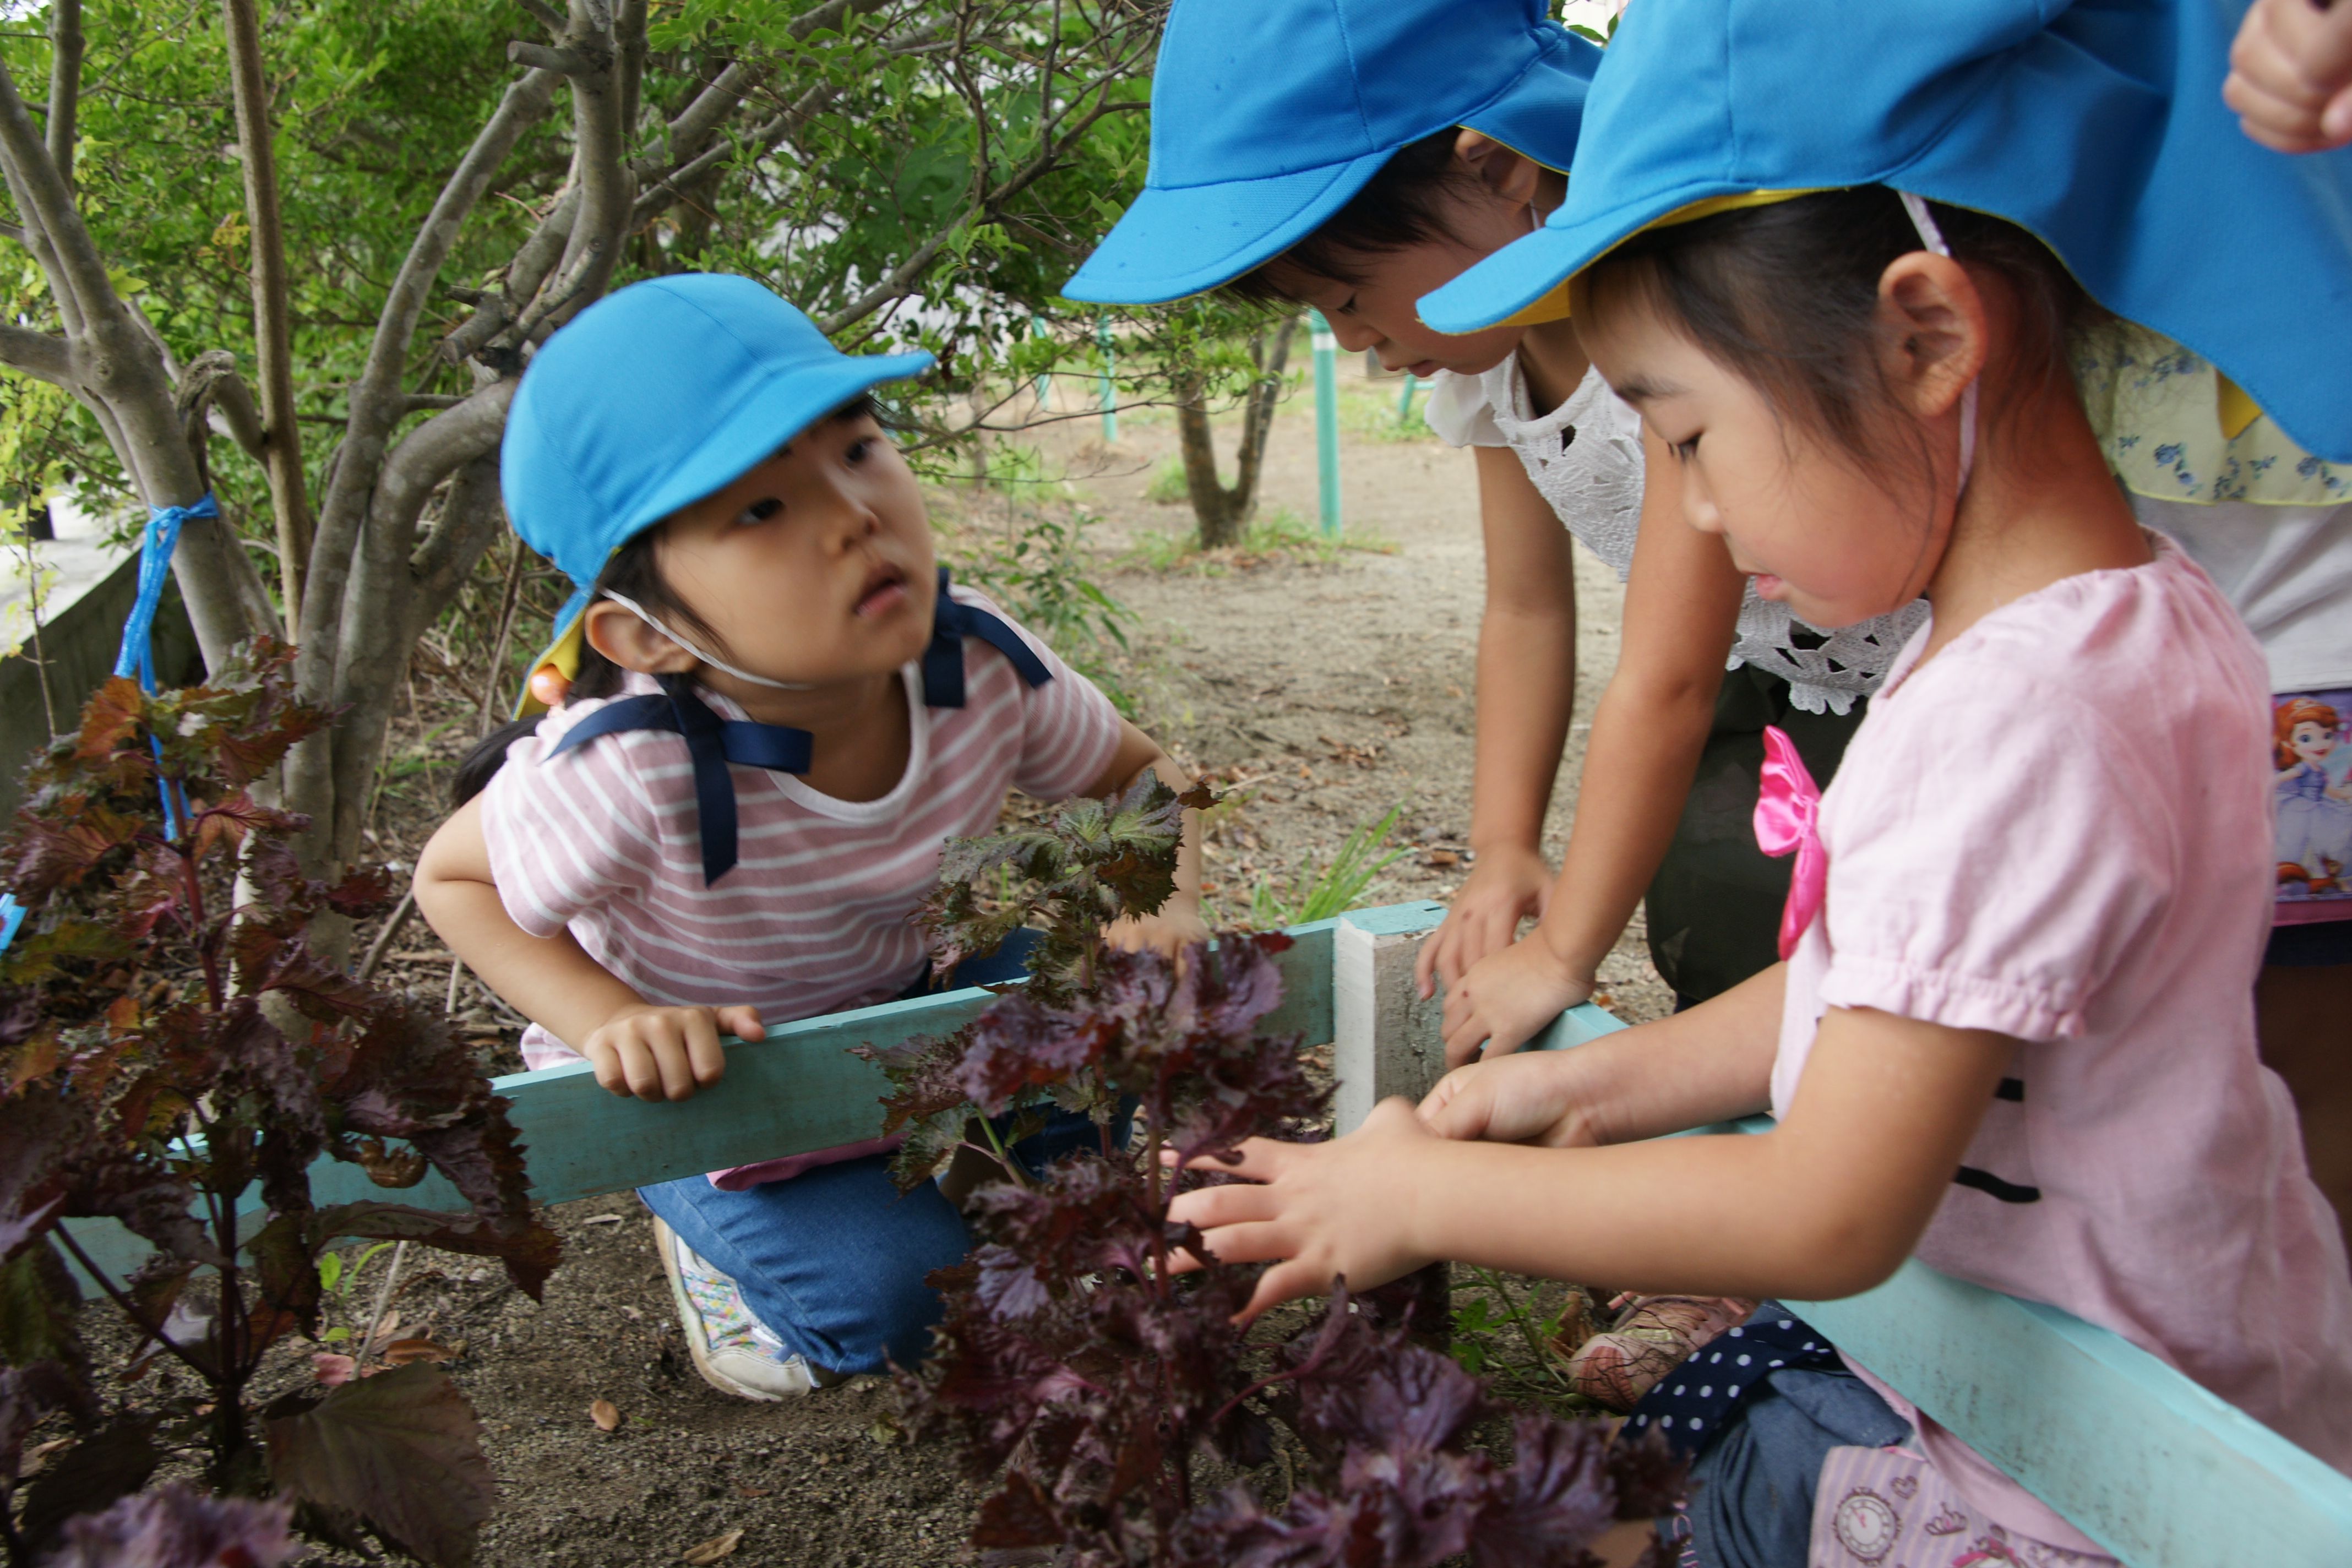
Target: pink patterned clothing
<point>600,841</point>
<point>1891,1508</point>
<point>2059,830</point>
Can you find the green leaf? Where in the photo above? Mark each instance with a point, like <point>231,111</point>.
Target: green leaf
<point>400,1451</point>
<point>331,1270</point>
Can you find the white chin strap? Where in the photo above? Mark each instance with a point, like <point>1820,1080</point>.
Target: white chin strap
<point>639,611</point>
<point>1932,238</point>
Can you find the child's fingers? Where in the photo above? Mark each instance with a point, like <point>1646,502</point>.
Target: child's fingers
<point>742,1021</point>
<point>1262,1159</point>
<point>1210,1208</point>
<point>641,1067</point>
<point>1260,1241</point>
<point>1425,963</point>
<point>607,1063</point>
<point>1284,1282</point>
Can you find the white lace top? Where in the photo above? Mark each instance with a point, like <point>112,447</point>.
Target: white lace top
<point>1585,458</point>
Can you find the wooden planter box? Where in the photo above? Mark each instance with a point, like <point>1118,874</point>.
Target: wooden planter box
<point>2143,1460</point>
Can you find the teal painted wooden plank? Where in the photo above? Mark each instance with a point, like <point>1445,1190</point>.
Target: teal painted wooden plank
<point>797,1090</point>
<point>2158,1470</point>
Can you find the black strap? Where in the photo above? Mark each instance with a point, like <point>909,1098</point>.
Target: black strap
<point>943,660</point>
<point>711,743</point>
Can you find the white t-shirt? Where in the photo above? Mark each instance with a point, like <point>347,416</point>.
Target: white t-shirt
<point>2288,570</point>
<point>1585,458</point>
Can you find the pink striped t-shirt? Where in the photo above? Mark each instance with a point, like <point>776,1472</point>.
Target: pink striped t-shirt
<point>602,841</point>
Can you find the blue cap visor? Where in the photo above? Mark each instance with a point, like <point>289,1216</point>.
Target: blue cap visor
<point>771,415</point>
<point>1517,276</point>
<point>1172,243</point>
<point>1177,242</point>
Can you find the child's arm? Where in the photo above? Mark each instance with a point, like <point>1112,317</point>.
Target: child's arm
<point>1526,691</point>
<point>636,1047</point>
<point>1826,1205</point>
<point>1178,924</point>
<point>1712,1063</point>
<point>1682,607</point>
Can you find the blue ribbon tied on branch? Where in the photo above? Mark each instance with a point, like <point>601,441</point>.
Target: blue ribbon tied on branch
<point>138,654</point>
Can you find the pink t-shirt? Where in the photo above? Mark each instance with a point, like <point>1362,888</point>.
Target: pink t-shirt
<point>602,841</point>
<point>2060,829</point>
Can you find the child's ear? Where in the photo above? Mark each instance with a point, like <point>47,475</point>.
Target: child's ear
<point>1512,176</point>
<point>628,642</point>
<point>1934,330</point>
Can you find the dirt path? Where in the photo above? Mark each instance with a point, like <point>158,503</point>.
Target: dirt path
<point>1333,689</point>
<point>1342,685</point>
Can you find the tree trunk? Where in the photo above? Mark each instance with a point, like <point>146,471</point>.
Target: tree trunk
<point>1220,511</point>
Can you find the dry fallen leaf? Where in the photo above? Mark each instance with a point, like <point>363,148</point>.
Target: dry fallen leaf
<point>332,1370</point>
<point>606,1414</point>
<point>38,1456</point>
<point>706,1551</point>
<point>1441,858</point>
<point>603,1219</point>
<point>399,1353</point>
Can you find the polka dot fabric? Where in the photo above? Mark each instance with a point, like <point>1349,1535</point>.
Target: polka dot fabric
<point>1692,1402</point>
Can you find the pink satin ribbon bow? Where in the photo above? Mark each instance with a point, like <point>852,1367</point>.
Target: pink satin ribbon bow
<point>1788,809</point>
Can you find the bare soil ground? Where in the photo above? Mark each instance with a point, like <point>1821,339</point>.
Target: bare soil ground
<point>1324,687</point>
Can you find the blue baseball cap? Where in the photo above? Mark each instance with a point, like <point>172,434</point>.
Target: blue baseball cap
<point>1268,115</point>
<point>651,399</point>
<point>2097,126</point>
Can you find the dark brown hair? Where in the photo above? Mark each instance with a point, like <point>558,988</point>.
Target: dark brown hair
<point>1399,206</point>
<point>1786,296</point>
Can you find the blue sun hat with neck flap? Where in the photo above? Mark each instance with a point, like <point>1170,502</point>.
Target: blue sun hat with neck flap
<point>1268,115</point>
<point>2097,126</point>
<point>649,400</point>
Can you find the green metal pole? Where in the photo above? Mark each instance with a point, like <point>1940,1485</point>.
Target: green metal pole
<point>1404,399</point>
<point>1109,387</point>
<point>1327,419</point>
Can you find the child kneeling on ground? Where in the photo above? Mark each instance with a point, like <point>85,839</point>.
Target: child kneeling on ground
<point>773,712</point>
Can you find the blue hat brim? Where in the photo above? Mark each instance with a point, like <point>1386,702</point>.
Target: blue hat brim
<point>1177,242</point>
<point>1173,242</point>
<point>1515,278</point>
<point>769,416</point>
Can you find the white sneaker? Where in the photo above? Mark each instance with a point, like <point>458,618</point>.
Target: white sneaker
<point>735,1353</point>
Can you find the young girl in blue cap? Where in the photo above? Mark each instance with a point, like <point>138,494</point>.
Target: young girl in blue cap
<point>1361,153</point>
<point>777,711</point>
<point>1353,155</point>
<point>2012,1034</point>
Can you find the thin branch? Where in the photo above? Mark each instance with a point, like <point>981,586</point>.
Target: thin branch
<point>382,943</point>
<point>272,337</point>
<point>37,353</point>
<point>437,448</point>
<point>377,396</point>
<point>549,17</point>
<point>66,44</point>
<point>240,415</point>
<point>709,109</point>
<point>540,56</point>
<point>77,271</point>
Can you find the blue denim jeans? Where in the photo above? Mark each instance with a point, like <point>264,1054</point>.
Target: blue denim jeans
<point>834,1259</point>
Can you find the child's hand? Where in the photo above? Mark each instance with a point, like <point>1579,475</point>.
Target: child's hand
<point>1507,885</point>
<point>667,1053</point>
<point>1345,1207</point>
<point>1536,1098</point>
<point>1507,998</point>
<point>2291,75</point>
<point>1176,927</point>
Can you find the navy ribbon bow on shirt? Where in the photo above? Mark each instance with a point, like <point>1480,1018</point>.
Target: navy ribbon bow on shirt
<point>713,742</point>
